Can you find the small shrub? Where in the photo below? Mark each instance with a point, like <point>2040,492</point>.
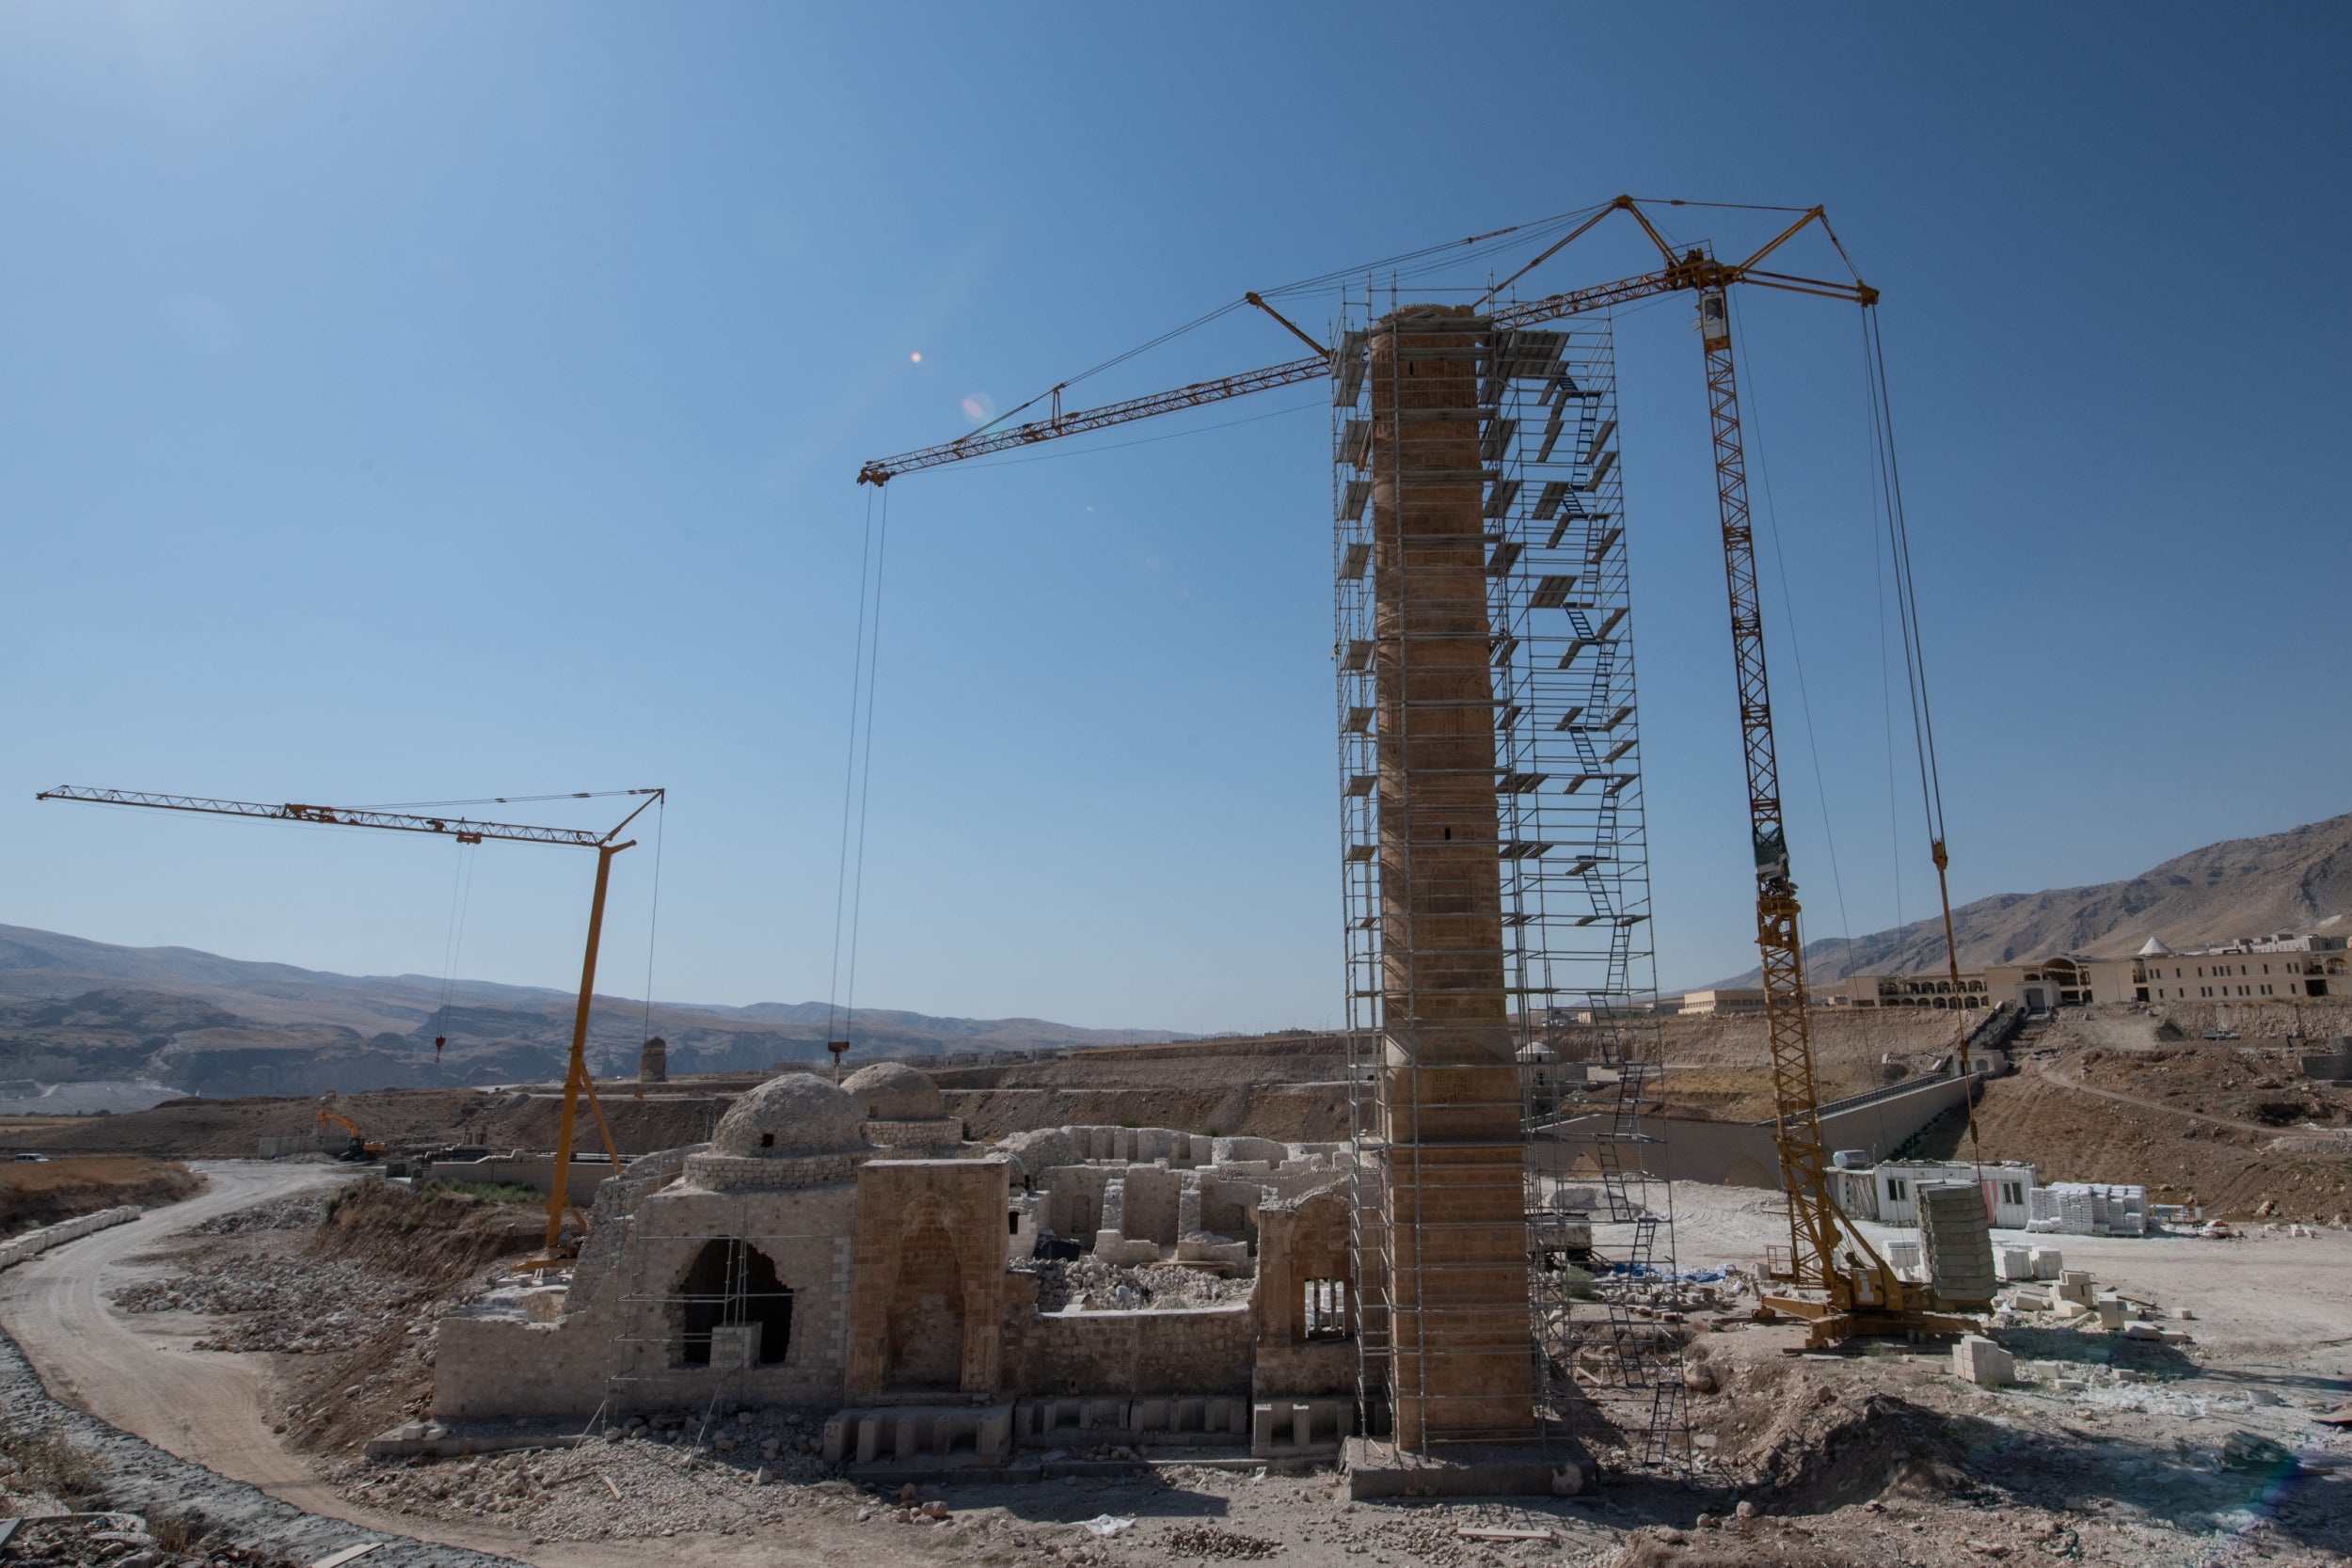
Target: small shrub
<point>484,1191</point>
<point>176,1533</point>
<point>47,1463</point>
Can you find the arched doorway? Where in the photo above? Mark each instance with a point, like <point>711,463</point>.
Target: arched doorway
<point>926,1309</point>
<point>731,1282</point>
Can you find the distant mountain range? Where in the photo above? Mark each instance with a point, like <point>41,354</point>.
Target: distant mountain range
<point>73,1010</point>
<point>2297,880</point>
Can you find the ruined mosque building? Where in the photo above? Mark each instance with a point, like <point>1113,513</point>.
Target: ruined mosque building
<point>845,1247</point>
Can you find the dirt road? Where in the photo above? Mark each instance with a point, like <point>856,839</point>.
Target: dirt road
<point>206,1408</point>
<point>139,1374</point>
<point>2055,1072</point>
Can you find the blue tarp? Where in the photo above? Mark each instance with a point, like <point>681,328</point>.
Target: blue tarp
<point>1687,1276</point>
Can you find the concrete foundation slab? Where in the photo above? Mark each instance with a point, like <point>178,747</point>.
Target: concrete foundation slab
<point>926,1437</point>
<point>1298,1428</point>
<point>1377,1472</point>
<point>1150,1421</point>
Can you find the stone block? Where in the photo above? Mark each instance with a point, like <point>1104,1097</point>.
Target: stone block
<point>921,1437</point>
<point>2075,1285</point>
<point>1957,1238</point>
<point>1977,1359</point>
<point>735,1347</point>
<point>1280,1429</point>
<point>2016,1264</point>
<point>2111,1312</point>
<point>2048,1262</point>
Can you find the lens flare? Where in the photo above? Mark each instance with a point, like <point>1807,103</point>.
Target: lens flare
<point>916,359</point>
<point>979,405</point>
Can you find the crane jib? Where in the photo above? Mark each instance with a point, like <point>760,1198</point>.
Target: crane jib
<point>1575,302</point>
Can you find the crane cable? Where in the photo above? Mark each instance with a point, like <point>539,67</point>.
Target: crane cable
<point>652,925</point>
<point>1915,674</point>
<point>858,771</point>
<point>1751,414</point>
<point>460,904</point>
<point>1448,251</point>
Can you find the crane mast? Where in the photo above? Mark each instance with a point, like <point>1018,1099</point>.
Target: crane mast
<point>1814,1225</point>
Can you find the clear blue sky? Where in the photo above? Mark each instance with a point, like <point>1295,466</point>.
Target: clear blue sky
<point>416,402</point>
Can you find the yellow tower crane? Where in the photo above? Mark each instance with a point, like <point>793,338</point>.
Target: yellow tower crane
<point>577,1084</point>
<point>1831,1273</point>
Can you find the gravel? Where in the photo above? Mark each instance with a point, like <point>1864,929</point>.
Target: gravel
<point>1207,1541</point>
<point>188,1514</point>
<point>300,1211</point>
<point>645,1479</point>
<point>128,1541</point>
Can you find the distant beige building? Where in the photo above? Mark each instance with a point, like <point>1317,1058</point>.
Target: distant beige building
<point>2063,981</point>
<point>1720,1003</point>
<point>1902,991</point>
<point>2252,968</point>
<point>2249,970</point>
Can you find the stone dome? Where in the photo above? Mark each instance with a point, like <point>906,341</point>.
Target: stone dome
<point>795,1115</point>
<point>893,1091</point>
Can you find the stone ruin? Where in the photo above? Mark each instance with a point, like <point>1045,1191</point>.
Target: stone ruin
<point>846,1248</point>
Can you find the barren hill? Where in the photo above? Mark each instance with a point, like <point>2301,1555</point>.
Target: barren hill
<point>71,1009</point>
<point>2294,880</point>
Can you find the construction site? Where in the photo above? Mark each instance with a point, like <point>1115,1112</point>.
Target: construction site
<point>1512,1265</point>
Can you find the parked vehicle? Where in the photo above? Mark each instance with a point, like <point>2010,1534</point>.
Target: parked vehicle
<point>2220,1034</point>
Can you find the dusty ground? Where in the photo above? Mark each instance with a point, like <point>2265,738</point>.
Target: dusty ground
<point>2110,1094</point>
<point>34,1194</point>
<point>180,1440</point>
<point>1841,1036</point>
<point>2111,1454</point>
<point>232,1129</point>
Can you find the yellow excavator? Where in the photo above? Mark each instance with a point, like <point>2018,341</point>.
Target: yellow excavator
<point>361,1148</point>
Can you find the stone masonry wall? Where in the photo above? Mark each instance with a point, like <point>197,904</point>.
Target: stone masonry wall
<point>1193,1351</point>
<point>904,1208</point>
<point>1298,1240</point>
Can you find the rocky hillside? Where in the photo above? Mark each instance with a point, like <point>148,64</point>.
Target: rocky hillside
<point>73,1010</point>
<point>2300,879</point>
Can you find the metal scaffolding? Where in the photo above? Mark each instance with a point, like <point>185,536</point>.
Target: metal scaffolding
<point>1571,886</point>
<point>702,1332</point>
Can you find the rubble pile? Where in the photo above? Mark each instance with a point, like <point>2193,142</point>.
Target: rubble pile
<point>295,1305</point>
<point>1207,1541</point>
<point>127,1541</point>
<point>2070,1298</point>
<point>300,1211</point>
<point>1089,1283</point>
<point>673,1471</point>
